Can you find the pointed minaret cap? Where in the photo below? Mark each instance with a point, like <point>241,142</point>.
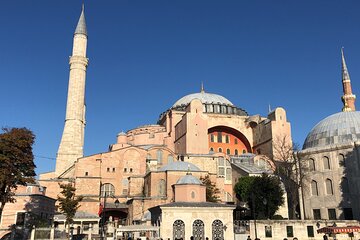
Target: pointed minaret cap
<point>81,26</point>
<point>345,73</point>
<point>202,88</point>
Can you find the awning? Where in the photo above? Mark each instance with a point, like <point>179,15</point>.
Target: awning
<point>347,229</point>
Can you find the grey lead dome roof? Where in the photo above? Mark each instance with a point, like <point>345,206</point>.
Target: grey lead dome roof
<point>189,179</point>
<point>339,128</point>
<point>204,97</point>
<point>180,166</point>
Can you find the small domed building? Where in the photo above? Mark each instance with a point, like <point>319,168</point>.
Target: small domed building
<point>332,155</point>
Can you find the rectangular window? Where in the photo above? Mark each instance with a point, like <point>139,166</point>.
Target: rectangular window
<point>235,141</point>
<point>108,169</point>
<point>221,171</point>
<point>113,169</point>
<point>211,137</point>
<point>228,174</point>
<point>310,231</point>
<point>125,191</point>
<point>221,161</point>
<point>268,232</point>
<point>348,215</point>
<point>289,231</point>
<point>317,214</point>
<point>86,174</point>
<point>227,139</point>
<point>219,137</point>
<point>20,218</point>
<point>332,214</point>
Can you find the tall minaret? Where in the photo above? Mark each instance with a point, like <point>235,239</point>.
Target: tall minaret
<point>72,141</point>
<point>348,98</point>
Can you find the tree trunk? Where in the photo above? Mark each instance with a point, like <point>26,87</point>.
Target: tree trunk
<point>68,230</point>
<point>1,209</point>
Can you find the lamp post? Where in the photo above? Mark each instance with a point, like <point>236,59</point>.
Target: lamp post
<point>254,213</point>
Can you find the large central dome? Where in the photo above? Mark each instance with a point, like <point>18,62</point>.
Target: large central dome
<point>204,97</point>
<point>339,128</point>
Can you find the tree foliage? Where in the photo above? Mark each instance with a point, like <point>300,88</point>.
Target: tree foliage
<point>212,192</point>
<point>68,202</point>
<point>16,162</point>
<point>263,194</point>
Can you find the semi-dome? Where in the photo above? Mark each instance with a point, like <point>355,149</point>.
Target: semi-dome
<point>339,128</point>
<point>204,97</point>
<point>189,179</point>
<point>180,166</point>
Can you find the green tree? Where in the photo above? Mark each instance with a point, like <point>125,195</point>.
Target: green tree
<point>68,203</point>
<point>212,192</point>
<point>263,194</point>
<point>16,162</point>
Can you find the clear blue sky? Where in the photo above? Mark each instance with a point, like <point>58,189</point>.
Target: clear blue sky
<point>144,55</point>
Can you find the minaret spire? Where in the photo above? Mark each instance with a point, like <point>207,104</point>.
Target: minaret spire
<point>72,140</point>
<point>348,98</point>
<point>81,26</point>
<point>202,87</point>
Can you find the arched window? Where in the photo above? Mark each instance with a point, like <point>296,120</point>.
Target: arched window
<point>329,187</point>
<point>341,159</point>
<point>244,151</point>
<point>236,152</point>
<point>228,151</point>
<point>179,229</point>
<point>326,162</point>
<point>345,185</point>
<point>193,194</point>
<point>159,155</point>
<point>198,230</point>
<point>162,187</point>
<point>170,159</point>
<point>312,165</point>
<point>148,156</point>
<point>107,189</point>
<point>220,149</point>
<point>217,230</point>
<point>211,149</point>
<point>314,188</point>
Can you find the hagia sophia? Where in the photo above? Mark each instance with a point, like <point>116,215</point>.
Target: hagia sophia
<point>154,171</point>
